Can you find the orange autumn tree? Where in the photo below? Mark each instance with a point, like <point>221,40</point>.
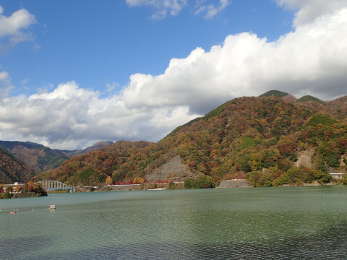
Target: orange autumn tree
<point>109,180</point>
<point>138,180</point>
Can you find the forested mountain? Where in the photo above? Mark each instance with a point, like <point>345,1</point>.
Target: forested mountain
<point>96,146</point>
<point>338,108</point>
<point>11,169</point>
<point>23,160</point>
<point>309,98</point>
<point>93,167</point>
<point>36,157</point>
<point>270,139</point>
<point>275,93</point>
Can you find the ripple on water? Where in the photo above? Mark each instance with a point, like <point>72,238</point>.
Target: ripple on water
<point>14,248</point>
<point>230,224</point>
<point>329,244</point>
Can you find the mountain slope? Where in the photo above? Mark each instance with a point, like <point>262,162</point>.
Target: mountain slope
<point>274,93</point>
<point>279,94</point>
<point>309,98</point>
<point>93,167</point>
<point>35,156</point>
<point>96,146</point>
<point>338,107</point>
<point>11,169</point>
<point>263,136</point>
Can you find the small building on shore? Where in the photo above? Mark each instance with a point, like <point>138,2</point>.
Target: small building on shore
<point>337,175</point>
<point>234,183</point>
<point>12,188</point>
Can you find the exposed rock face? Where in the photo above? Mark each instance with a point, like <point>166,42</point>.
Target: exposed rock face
<point>173,170</point>
<point>305,159</point>
<point>235,183</point>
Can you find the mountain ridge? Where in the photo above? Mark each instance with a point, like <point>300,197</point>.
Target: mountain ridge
<point>247,134</point>
<point>37,157</point>
<point>11,169</point>
<point>33,158</point>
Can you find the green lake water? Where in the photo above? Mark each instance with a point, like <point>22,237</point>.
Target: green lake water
<point>264,223</point>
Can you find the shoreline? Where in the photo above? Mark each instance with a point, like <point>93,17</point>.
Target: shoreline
<point>152,187</point>
<point>164,186</point>
<point>20,195</point>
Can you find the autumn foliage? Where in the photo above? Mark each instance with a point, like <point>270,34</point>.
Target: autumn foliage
<point>259,137</point>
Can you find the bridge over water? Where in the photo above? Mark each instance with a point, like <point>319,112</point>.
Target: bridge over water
<point>51,185</point>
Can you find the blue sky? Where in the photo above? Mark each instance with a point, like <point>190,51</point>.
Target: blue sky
<point>102,42</point>
<point>76,72</point>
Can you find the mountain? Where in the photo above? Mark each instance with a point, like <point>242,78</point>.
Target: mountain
<point>27,159</point>
<point>93,167</point>
<point>36,157</point>
<point>309,98</point>
<point>338,107</point>
<point>96,146</point>
<point>283,95</point>
<point>274,93</point>
<point>12,170</point>
<point>267,139</point>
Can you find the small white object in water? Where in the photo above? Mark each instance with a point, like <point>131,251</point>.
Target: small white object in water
<point>52,206</point>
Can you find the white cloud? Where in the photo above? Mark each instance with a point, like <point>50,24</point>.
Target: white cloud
<point>162,7</point>
<point>312,59</point>
<point>308,10</point>
<point>4,76</point>
<point>305,10</point>
<point>5,84</point>
<point>12,27</point>
<point>110,87</point>
<point>70,116</point>
<point>211,10</point>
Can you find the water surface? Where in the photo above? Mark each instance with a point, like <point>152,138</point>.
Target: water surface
<point>277,223</point>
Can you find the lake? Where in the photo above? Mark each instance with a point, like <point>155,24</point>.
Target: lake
<point>277,223</point>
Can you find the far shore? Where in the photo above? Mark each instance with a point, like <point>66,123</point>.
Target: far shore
<point>19,195</point>
<point>157,187</point>
<point>180,186</point>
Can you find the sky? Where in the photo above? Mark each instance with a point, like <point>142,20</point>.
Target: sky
<point>73,73</point>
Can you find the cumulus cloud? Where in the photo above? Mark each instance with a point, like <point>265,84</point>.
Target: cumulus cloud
<point>12,28</point>
<point>311,59</point>
<point>70,117</point>
<point>309,10</point>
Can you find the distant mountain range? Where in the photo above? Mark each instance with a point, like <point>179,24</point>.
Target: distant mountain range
<point>267,139</point>
<point>20,161</point>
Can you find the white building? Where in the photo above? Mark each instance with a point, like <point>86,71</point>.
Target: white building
<point>337,175</point>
